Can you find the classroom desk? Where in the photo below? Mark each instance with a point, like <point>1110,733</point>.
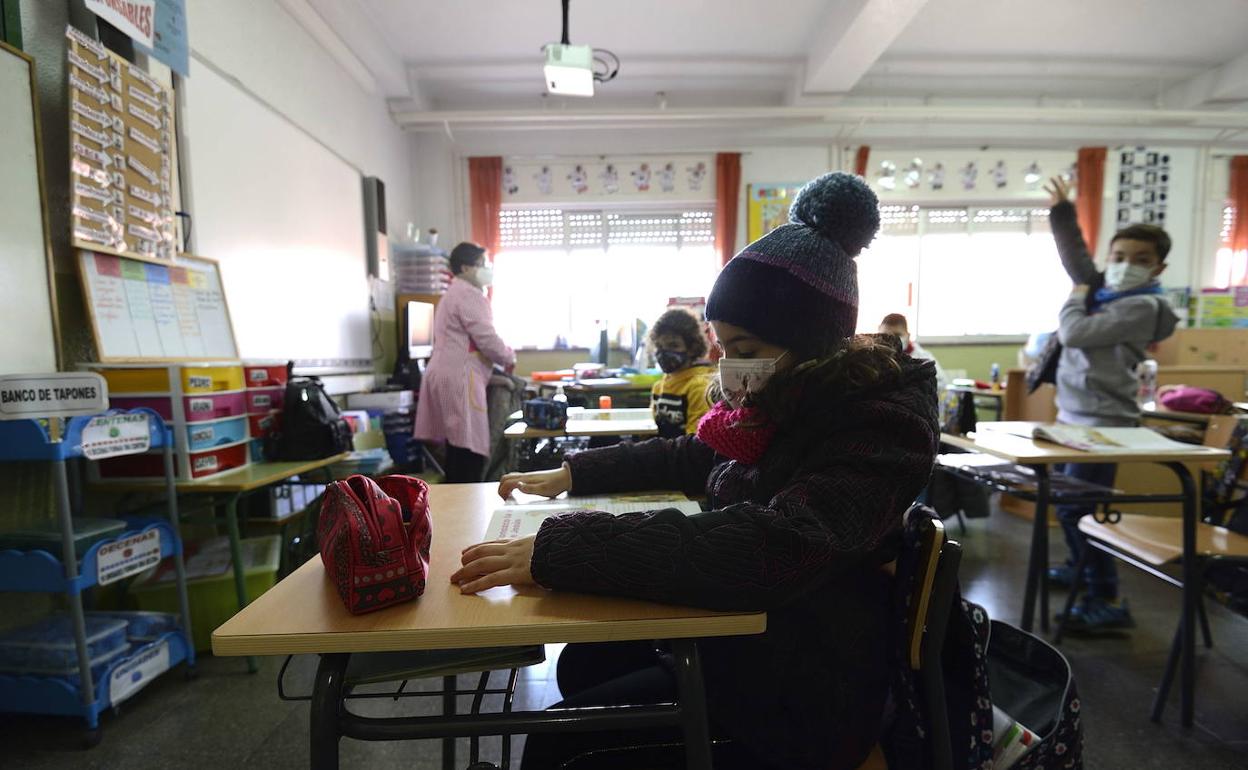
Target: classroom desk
<point>999,440</point>
<point>625,389</point>
<point>1157,411</point>
<point>233,485</point>
<point>997,396</point>
<point>303,614</point>
<point>591,422</point>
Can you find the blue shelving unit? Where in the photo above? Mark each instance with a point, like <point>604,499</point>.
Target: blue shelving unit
<point>58,441</point>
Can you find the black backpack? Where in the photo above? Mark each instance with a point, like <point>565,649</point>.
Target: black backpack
<point>312,426</point>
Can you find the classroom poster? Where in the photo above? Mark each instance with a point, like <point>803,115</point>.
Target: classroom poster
<point>169,37</point>
<point>768,208</point>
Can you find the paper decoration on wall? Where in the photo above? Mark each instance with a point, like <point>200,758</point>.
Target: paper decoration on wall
<point>509,181</point>
<point>970,174</point>
<point>936,177</point>
<point>696,176</point>
<point>768,207</point>
<point>610,177</point>
<point>667,178</point>
<point>888,175</point>
<point>120,138</point>
<point>545,181</point>
<point>641,177</point>
<point>579,179</point>
<point>1000,176</point>
<point>914,173</point>
<point>1143,186</point>
<point>1032,175</point>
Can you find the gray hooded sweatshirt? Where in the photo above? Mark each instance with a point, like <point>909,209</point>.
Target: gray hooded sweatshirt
<point>1096,382</point>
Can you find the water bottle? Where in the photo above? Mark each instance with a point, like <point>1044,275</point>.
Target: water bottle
<point>994,375</point>
<point>1146,376</point>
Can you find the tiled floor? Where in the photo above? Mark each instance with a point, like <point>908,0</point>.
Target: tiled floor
<point>227,718</point>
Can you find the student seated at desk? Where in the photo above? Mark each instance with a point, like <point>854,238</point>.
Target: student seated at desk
<point>821,443</point>
<point>679,400</point>
<point>895,324</point>
<point>1105,327</point>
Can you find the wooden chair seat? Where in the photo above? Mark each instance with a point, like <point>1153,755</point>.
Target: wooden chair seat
<point>875,760</point>
<point>1158,540</point>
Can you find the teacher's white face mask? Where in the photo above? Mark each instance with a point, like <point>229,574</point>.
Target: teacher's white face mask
<point>483,276</point>
<point>741,376</point>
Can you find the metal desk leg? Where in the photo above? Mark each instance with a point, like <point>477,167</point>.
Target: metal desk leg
<point>326,704</point>
<point>1191,596</point>
<point>692,695</point>
<point>449,685</point>
<point>1038,562</point>
<point>236,558</point>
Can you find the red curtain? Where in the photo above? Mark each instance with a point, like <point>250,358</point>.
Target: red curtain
<point>1239,203</point>
<point>485,185</point>
<point>860,161</point>
<point>1090,169</point>
<point>727,196</point>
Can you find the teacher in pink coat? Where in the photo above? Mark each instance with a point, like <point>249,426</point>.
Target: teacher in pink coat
<point>452,408</point>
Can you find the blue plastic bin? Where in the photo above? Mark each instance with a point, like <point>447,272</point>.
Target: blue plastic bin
<point>142,626</point>
<point>48,646</point>
<point>212,433</point>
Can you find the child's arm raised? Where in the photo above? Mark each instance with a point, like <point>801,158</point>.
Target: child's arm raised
<point>1064,222</point>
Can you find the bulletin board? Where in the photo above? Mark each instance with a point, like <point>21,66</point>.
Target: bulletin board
<point>120,129</point>
<point>147,309</point>
<point>29,341</point>
<point>768,208</point>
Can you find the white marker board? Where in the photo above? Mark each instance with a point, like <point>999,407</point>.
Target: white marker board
<point>28,335</point>
<point>284,216</point>
<point>150,310</point>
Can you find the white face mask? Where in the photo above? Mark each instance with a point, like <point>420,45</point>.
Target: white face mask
<point>739,376</point>
<point>484,276</point>
<point>1123,276</point>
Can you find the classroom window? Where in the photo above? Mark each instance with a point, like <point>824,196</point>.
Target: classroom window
<point>1230,268</point>
<point>958,271</point>
<point>560,273</point>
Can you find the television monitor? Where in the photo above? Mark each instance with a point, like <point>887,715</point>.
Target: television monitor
<point>419,329</point>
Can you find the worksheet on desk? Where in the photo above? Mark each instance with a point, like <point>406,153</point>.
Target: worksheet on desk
<point>518,519</point>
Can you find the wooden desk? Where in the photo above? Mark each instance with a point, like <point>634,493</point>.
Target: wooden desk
<point>592,422</point>
<point>233,486</point>
<point>997,396</point>
<point>303,614</point>
<point>1000,440</point>
<point>1159,412</point>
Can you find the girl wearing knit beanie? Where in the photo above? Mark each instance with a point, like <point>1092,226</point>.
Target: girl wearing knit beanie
<point>818,445</point>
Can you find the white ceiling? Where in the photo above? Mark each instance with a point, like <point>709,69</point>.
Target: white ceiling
<point>436,60</point>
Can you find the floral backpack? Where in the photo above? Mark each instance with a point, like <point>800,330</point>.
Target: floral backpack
<point>985,663</point>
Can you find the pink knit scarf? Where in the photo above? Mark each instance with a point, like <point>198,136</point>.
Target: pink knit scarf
<point>738,434</point>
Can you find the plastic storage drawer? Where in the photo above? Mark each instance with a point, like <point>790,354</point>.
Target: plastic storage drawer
<point>162,405</point>
<point>87,532</point>
<point>261,425</point>
<point>144,380</point>
<point>265,400</point>
<point>218,460</point>
<point>212,433</point>
<point>260,375</point>
<point>214,406</point>
<point>211,379</point>
<point>49,644</point>
<point>142,626</point>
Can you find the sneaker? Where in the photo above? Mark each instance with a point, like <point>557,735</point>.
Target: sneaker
<point>1094,614</point>
<point>1062,577</point>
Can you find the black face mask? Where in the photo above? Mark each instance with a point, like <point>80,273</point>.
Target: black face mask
<point>671,360</point>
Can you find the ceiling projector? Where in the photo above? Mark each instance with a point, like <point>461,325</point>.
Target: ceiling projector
<point>569,69</point>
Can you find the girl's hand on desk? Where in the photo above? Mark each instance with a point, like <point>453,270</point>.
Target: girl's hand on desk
<point>544,483</point>
<point>495,563</point>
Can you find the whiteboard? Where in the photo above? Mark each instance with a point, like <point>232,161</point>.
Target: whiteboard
<point>152,310</point>
<point>28,343</point>
<point>284,217</point>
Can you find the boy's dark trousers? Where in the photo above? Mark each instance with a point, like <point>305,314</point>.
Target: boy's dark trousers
<point>1101,574</point>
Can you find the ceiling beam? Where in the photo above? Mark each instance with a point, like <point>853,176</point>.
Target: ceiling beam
<point>1226,83</point>
<point>850,38</point>
<point>354,42</point>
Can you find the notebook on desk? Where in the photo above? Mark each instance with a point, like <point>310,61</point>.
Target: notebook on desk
<point>518,519</point>
<point>1098,439</point>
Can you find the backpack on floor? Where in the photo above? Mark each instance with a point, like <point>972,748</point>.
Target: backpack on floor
<point>311,426</point>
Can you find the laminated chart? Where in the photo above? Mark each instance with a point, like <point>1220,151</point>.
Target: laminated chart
<point>120,130</point>
<point>142,309</point>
